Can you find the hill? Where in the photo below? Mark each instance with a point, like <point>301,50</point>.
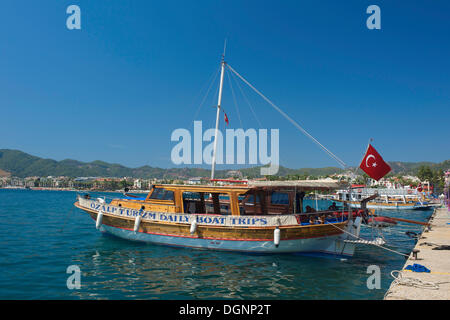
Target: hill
<point>4,173</point>
<point>413,167</point>
<point>21,164</point>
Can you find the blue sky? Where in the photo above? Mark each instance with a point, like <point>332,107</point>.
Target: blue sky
<point>116,89</point>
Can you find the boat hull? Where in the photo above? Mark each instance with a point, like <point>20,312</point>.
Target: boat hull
<point>329,245</point>
<point>322,238</point>
<point>390,206</point>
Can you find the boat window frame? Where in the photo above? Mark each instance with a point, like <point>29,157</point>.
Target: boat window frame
<point>200,202</point>
<point>221,203</point>
<point>279,192</point>
<point>161,200</point>
<point>250,199</point>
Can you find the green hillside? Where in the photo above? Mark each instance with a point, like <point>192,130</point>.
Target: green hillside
<point>21,164</point>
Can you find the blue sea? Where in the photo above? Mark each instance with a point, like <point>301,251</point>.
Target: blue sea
<point>42,234</point>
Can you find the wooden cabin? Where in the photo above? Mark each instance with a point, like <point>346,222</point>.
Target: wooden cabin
<point>259,198</point>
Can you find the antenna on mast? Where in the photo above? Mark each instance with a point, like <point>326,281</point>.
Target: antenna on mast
<point>224,49</point>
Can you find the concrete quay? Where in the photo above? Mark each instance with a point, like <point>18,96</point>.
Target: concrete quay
<point>436,284</point>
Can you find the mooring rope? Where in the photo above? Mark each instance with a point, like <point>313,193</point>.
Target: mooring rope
<point>359,238</point>
<point>400,280</point>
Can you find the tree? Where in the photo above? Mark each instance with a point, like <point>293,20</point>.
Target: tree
<point>438,181</point>
<point>363,179</point>
<point>435,177</point>
<point>124,184</point>
<point>425,174</point>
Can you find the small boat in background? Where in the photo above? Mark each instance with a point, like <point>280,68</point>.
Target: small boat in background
<point>389,199</point>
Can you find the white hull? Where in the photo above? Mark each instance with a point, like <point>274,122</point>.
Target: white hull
<point>333,245</point>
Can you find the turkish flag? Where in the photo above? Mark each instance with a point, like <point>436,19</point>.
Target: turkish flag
<point>226,118</point>
<point>374,165</point>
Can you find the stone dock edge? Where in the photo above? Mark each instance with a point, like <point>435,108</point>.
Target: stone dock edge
<point>433,253</point>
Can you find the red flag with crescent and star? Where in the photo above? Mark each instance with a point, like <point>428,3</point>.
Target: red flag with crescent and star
<point>226,118</point>
<point>374,165</point>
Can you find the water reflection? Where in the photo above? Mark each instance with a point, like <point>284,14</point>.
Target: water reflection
<point>151,271</point>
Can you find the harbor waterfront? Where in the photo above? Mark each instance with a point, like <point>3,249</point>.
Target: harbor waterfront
<point>433,253</point>
<point>224,158</point>
<point>43,234</point>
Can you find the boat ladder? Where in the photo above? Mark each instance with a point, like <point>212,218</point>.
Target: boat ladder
<point>376,242</point>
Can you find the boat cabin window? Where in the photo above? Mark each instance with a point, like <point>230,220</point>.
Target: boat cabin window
<point>269,203</point>
<point>248,205</point>
<point>279,198</point>
<point>162,194</point>
<point>251,199</point>
<point>194,202</point>
<point>218,203</point>
<point>205,202</point>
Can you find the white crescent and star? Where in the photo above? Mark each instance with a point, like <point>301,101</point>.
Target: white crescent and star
<point>374,164</point>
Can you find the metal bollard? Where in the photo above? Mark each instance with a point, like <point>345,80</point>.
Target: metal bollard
<point>415,252</point>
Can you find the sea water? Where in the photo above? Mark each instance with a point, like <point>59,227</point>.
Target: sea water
<point>42,234</point>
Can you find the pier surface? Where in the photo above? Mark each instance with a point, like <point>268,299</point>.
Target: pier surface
<point>436,284</point>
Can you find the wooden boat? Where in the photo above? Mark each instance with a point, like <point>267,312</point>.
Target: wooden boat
<point>260,218</point>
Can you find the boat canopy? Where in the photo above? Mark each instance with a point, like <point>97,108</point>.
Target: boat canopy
<point>300,184</point>
<point>254,198</point>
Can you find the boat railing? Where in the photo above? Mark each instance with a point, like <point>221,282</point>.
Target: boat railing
<point>382,192</point>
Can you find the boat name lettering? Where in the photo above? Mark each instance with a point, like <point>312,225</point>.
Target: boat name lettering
<point>180,218</point>
<point>173,218</point>
<point>211,220</point>
<point>249,221</point>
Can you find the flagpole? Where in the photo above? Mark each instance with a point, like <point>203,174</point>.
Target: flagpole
<point>213,164</point>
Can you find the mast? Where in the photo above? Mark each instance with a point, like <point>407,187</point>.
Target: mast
<point>213,165</point>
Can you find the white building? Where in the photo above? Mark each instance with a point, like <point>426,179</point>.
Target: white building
<point>137,184</point>
<point>196,180</point>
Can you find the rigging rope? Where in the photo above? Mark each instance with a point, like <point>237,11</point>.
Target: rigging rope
<point>246,99</point>
<point>342,163</point>
<point>207,92</point>
<point>234,100</point>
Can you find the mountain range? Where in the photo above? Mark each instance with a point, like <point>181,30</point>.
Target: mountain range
<point>21,164</point>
